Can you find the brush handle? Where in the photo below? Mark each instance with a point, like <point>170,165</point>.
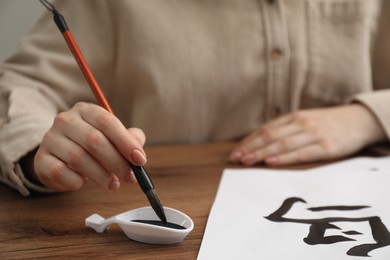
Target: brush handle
<point>85,69</point>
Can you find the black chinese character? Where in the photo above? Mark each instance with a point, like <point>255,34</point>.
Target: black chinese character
<point>318,227</point>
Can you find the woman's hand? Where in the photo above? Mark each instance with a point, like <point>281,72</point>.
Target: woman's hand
<point>88,142</point>
<point>310,135</point>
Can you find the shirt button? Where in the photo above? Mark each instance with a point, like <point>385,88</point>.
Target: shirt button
<point>276,112</point>
<point>276,53</point>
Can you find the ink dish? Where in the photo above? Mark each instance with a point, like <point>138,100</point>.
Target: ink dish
<point>143,225</point>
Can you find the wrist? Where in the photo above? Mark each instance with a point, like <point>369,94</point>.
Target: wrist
<point>370,127</point>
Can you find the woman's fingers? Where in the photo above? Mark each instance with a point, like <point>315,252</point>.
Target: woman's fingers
<point>281,136</point>
<point>113,129</point>
<point>311,135</point>
<point>138,134</point>
<point>79,160</point>
<point>57,175</point>
<point>264,137</point>
<point>87,142</point>
<point>306,154</point>
<point>279,147</point>
<point>94,143</point>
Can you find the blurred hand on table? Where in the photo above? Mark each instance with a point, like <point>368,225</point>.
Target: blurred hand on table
<point>310,135</point>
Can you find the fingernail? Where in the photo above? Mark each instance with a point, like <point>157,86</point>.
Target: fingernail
<point>138,157</point>
<point>114,184</point>
<point>235,156</point>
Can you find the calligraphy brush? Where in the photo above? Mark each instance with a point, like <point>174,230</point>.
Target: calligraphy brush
<point>141,175</point>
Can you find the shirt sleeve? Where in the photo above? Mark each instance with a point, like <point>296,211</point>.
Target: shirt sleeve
<point>42,79</point>
<point>378,101</point>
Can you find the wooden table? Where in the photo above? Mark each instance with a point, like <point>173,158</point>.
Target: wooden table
<point>52,225</point>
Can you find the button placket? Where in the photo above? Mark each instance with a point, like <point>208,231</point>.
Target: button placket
<point>277,58</point>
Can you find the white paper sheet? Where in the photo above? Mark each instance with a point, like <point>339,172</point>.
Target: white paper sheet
<point>237,227</point>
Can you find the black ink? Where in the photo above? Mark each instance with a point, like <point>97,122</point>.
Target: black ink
<point>380,234</point>
<point>337,208</point>
<point>159,223</point>
<point>352,232</point>
<point>317,232</point>
<point>318,227</point>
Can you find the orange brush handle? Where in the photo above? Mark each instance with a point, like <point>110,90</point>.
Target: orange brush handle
<point>92,82</point>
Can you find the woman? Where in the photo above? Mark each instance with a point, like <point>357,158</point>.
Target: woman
<point>295,81</point>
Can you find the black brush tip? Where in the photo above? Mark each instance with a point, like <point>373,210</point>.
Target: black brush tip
<point>156,205</point>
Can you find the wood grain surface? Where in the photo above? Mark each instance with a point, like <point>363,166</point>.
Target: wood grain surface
<point>52,225</point>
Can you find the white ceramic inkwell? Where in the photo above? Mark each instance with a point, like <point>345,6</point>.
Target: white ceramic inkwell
<point>143,225</point>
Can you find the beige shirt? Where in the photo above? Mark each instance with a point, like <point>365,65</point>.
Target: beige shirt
<point>190,71</point>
